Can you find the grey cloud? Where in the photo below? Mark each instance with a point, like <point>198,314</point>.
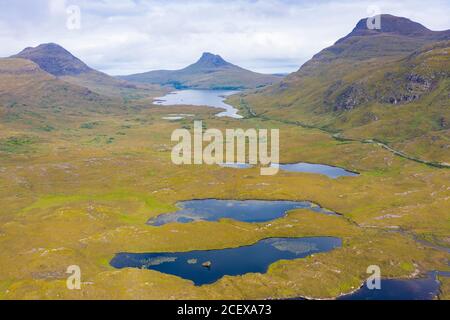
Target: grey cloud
<point>129,36</point>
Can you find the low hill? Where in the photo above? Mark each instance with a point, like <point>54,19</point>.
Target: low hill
<point>209,72</point>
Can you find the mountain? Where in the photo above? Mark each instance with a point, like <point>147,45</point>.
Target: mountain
<point>209,72</point>
<point>397,36</point>
<point>396,26</point>
<point>48,76</point>
<point>24,85</point>
<point>60,63</point>
<point>390,84</point>
<point>55,60</point>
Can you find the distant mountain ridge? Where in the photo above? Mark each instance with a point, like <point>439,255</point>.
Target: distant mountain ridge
<point>209,72</point>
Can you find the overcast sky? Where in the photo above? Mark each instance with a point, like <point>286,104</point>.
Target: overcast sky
<point>130,36</point>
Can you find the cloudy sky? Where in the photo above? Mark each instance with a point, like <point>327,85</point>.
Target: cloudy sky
<point>130,36</point>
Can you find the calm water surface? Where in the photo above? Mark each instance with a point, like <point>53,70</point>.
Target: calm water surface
<point>329,171</point>
<point>426,288</point>
<point>210,98</point>
<point>322,169</point>
<point>245,211</point>
<point>226,262</point>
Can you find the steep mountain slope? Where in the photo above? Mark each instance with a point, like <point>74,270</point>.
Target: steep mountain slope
<point>55,60</point>
<point>210,72</point>
<point>390,84</point>
<point>60,63</point>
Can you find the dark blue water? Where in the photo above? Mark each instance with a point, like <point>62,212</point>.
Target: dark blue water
<point>211,98</point>
<point>245,211</point>
<point>329,171</point>
<point>408,289</point>
<point>227,262</point>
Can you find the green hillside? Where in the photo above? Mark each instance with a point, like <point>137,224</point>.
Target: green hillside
<point>387,85</point>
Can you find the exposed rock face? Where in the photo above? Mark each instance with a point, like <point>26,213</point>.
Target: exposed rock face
<point>209,60</point>
<point>411,78</point>
<point>350,98</point>
<point>407,90</point>
<point>417,82</point>
<point>398,90</point>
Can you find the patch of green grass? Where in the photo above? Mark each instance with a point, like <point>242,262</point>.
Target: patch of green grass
<point>101,140</point>
<point>61,200</point>
<point>407,266</point>
<point>16,144</point>
<point>89,125</point>
<point>376,173</point>
<point>47,128</point>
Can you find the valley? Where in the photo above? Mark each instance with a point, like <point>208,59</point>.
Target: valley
<point>60,196</point>
<point>87,179</point>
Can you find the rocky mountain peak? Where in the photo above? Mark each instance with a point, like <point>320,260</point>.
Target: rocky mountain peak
<point>210,60</point>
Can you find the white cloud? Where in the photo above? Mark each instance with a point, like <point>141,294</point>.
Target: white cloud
<point>128,36</point>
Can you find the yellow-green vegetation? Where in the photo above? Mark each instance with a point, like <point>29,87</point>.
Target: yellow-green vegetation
<point>68,201</point>
<point>445,288</point>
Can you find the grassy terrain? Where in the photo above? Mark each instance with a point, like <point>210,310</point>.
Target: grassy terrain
<point>82,191</point>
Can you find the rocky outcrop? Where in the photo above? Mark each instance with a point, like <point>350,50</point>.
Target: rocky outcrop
<point>394,89</point>
<point>352,97</point>
<point>443,123</point>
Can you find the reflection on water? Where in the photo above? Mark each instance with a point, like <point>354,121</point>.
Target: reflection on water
<point>210,98</point>
<point>245,211</point>
<point>237,165</point>
<point>329,171</point>
<point>205,267</point>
